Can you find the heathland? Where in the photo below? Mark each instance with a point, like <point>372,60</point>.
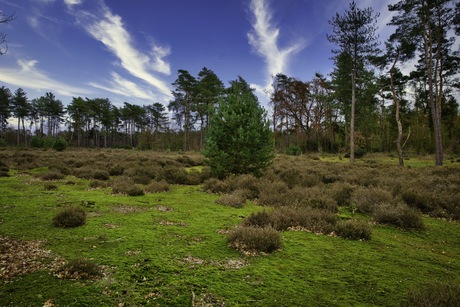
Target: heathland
<point>125,227</point>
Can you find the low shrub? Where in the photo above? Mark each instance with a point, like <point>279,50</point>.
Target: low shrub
<point>235,199</point>
<point>70,217</point>
<point>399,215</point>
<point>421,200</point>
<point>157,187</point>
<point>50,187</point>
<point>80,269</point>
<point>216,186</point>
<point>250,239</point>
<point>52,175</point>
<point>37,142</point>
<point>365,199</point>
<point>99,174</point>
<point>126,186</point>
<point>353,230</point>
<point>341,193</point>
<point>116,170</point>
<point>314,220</point>
<point>97,184</point>
<point>175,175</point>
<point>259,219</point>
<point>434,295</point>
<point>274,194</point>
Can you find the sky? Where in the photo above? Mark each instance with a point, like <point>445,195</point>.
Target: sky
<point>130,51</point>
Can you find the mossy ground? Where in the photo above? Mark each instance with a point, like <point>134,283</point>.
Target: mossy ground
<point>170,248</point>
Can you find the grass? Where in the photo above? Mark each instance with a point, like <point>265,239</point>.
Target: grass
<point>167,248</point>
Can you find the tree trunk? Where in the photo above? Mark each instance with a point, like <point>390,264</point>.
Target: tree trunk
<point>352,120</point>
<point>398,115</point>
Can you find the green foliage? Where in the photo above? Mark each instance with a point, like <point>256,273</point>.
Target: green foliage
<point>60,144</point>
<point>37,142</point>
<point>80,268</point>
<point>250,239</point>
<point>354,230</point>
<point>70,217</point>
<point>239,140</point>
<point>294,150</point>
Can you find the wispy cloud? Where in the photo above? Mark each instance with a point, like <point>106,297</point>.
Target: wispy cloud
<point>27,75</point>
<point>120,86</point>
<point>109,29</point>
<point>264,39</point>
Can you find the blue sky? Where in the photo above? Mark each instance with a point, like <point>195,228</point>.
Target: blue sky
<point>131,50</point>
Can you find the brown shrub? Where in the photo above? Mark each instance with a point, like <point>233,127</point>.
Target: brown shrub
<point>315,220</point>
<point>52,175</point>
<point>353,230</point>
<point>365,199</point>
<point>235,199</point>
<point>274,193</point>
<point>125,185</point>
<point>255,239</point>
<point>157,187</point>
<point>70,217</point>
<point>259,219</point>
<point>399,215</point>
<point>434,295</point>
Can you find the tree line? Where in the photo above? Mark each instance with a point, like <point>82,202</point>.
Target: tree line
<point>369,103</point>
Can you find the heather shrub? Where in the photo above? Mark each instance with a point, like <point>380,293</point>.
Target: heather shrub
<point>421,200</point>
<point>365,199</point>
<point>290,176</point>
<point>175,174</point>
<point>96,184</point>
<point>51,175</point>
<point>249,183</point>
<point>235,199</point>
<point>273,193</point>
<point>125,185</point>
<point>314,197</point>
<point>255,239</point>
<point>259,219</point>
<point>194,177</point>
<point>70,217</point>
<point>50,187</point>
<point>434,295</point>
<point>80,269</point>
<point>116,170</point>
<point>341,192</point>
<point>399,215</point>
<point>353,230</point>
<point>315,220</point>
<point>157,187</point>
<point>99,174</point>
<point>216,186</point>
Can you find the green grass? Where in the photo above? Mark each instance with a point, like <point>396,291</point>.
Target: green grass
<point>163,249</point>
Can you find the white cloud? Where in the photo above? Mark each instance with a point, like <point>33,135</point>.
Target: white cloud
<point>72,2</point>
<point>110,30</point>
<point>28,76</point>
<point>264,40</point>
<point>121,86</point>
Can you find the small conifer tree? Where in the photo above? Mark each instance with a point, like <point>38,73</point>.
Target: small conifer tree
<point>239,139</point>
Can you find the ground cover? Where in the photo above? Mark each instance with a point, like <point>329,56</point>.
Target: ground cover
<point>171,248</point>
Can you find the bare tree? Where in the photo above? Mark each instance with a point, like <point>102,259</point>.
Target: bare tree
<point>4,19</point>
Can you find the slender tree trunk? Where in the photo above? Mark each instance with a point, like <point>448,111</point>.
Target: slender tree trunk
<point>19,131</point>
<point>398,115</point>
<point>352,120</point>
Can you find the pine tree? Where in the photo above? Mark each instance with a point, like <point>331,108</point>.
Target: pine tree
<point>239,139</point>
<point>354,34</point>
